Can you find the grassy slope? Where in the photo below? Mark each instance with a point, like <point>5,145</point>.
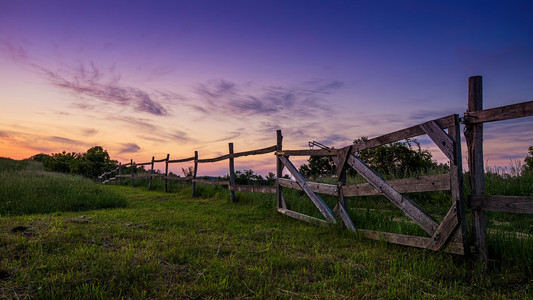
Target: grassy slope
<point>172,246</point>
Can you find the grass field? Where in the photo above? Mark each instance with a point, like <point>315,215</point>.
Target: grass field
<point>173,246</point>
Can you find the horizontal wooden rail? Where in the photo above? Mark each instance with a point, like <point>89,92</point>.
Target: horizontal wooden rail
<point>308,152</point>
<point>265,189</point>
<point>160,160</point>
<point>256,152</point>
<point>207,181</point>
<point>407,185</point>
<point>444,122</point>
<point>180,160</point>
<point>512,204</point>
<point>124,176</point>
<point>210,160</point>
<point>178,178</point>
<point>316,187</point>
<point>409,240</point>
<point>142,164</point>
<point>507,112</point>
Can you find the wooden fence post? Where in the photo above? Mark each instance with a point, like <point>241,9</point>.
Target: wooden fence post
<point>151,172</point>
<point>194,173</point>
<point>279,171</point>
<point>166,173</point>
<point>474,140</point>
<point>132,176</point>
<point>231,173</point>
<point>120,172</point>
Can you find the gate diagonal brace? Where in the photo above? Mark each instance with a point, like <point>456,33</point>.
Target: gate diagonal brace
<point>340,211</point>
<point>447,227</point>
<point>440,138</point>
<point>322,207</point>
<point>410,208</point>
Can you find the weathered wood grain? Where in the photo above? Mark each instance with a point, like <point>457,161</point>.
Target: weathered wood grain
<point>409,240</point>
<point>513,111</point>
<point>211,160</point>
<point>213,182</point>
<point>301,217</point>
<point>254,189</point>
<point>256,152</point>
<point>430,183</point>
<point>340,211</point>
<point>440,138</point>
<point>307,152</point>
<point>181,160</point>
<point>474,141</point>
<point>231,172</point>
<point>410,208</point>
<point>321,188</point>
<point>444,122</point>
<point>445,230</point>
<point>280,200</point>
<point>512,204</point>
<point>322,207</point>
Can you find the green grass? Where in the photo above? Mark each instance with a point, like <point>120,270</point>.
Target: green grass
<point>26,189</point>
<point>169,245</point>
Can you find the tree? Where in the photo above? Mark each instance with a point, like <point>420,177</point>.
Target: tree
<point>398,158</point>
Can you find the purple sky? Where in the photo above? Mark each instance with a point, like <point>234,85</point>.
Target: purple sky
<point>144,78</point>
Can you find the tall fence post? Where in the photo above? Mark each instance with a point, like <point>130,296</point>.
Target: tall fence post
<point>151,173</point>
<point>166,173</point>
<point>132,174</point>
<point>194,173</point>
<point>474,140</point>
<point>231,173</point>
<point>279,170</point>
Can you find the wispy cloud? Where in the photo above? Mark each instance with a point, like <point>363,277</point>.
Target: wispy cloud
<point>13,52</point>
<point>89,81</point>
<point>63,140</point>
<point>129,148</point>
<point>228,98</point>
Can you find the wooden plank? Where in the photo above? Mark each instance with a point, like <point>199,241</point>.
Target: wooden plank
<point>151,172</point>
<point>513,111</point>
<point>280,201</point>
<point>256,152</point>
<point>474,141</point>
<point>231,172</point>
<point>178,178</point>
<point>444,122</point>
<point>321,188</point>
<point>440,138</point>
<point>166,173</point>
<point>512,204</point>
<point>445,230</point>
<point>340,211</point>
<point>410,208</point>
<point>254,189</point>
<point>408,240</point>
<point>457,185</point>
<point>322,207</point>
<point>308,152</point>
<point>215,182</point>
<point>160,160</point>
<point>181,160</point>
<point>143,164</point>
<point>301,217</point>
<point>194,172</point>
<point>132,173</point>
<point>430,183</point>
<point>124,176</point>
<point>210,160</point>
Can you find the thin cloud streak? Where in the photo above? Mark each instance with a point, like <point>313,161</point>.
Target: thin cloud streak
<point>89,81</point>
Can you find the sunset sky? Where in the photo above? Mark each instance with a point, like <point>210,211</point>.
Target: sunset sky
<point>144,78</point>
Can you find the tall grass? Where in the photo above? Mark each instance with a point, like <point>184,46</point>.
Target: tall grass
<point>26,189</point>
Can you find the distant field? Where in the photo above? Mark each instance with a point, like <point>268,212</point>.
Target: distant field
<point>172,246</point>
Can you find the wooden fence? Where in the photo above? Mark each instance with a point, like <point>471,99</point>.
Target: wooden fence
<point>448,234</point>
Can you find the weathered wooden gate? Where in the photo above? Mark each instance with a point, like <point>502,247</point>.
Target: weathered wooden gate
<point>448,234</point>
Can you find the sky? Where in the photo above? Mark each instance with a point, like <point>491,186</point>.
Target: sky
<point>147,78</point>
